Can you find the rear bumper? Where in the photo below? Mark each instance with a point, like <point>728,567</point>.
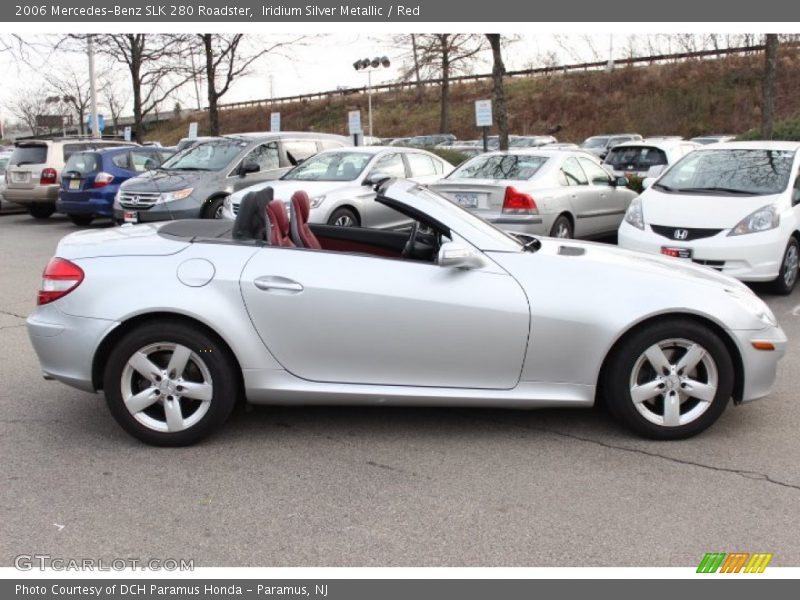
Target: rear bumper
<point>93,206</point>
<point>41,194</point>
<point>530,224</point>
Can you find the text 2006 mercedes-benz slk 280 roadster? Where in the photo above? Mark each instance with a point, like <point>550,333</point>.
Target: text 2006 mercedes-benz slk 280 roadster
<point>176,321</point>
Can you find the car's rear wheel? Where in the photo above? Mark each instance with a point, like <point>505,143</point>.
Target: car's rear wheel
<point>343,217</point>
<point>787,277</point>
<point>41,211</point>
<point>214,208</point>
<point>562,228</point>
<point>669,381</point>
<point>81,220</point>
<point>169,384</point>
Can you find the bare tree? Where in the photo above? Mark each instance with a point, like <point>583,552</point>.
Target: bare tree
<point>30,107</point>
<point>156,66</point>
<point>74,92</point>
<point>445,55</point>
<point>498,71</point>
<point>770,76</point>
<point>115,100</point>
<point>226,59</point>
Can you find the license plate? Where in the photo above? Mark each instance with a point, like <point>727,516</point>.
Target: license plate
<point>130,216</point>
<point>676,252</point>
<point>19,176</point>
<point>467,200</point>
<point>74,184</point>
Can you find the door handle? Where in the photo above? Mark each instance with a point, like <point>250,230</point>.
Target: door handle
<point>269,283</point>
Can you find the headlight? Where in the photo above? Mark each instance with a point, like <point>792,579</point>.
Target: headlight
<point>634,215</point>
<point>172,196</point>
<point>116,196</point>
<point>227,203</point>
<point>754,305</point>
<point>764,219</point>
<point>317,200</point>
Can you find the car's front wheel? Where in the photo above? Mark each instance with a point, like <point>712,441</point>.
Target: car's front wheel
<point>168,384</point>
<point>787,277</point>
<point>214,208</point>
<point>343,217</point>
<point>670,380</point>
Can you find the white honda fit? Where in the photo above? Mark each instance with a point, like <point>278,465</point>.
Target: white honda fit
<point>734,207</point>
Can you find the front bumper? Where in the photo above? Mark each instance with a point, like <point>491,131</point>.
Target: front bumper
<point>751,257</point>
<point>66,345</point>
<point>760,366</point>
<point>188,208</point>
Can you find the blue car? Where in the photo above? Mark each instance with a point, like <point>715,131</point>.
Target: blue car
<point>90,180</point>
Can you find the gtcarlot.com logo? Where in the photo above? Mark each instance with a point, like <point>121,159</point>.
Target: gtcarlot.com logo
<point>736,562</point>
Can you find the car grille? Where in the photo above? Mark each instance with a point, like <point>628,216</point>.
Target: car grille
<point>691,233</point>
<point>235,208</point>
<point>138,200</point>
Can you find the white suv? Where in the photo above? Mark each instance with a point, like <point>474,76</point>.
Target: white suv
<point>734,207</point>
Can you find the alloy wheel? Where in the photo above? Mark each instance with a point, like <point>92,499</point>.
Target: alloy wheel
<point>791,262</point>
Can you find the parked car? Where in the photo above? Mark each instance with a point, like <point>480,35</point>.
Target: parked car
<point>561,193</point>
<point>599,145</point>
<point>530,141</point>
<point>195,182</point>
<point>400,141</point>
<point>5,155</point>
<point>734,207</point>
<point>647,158</point>
<point>428,141</point>
<point>90,180</point>
<point>33,173</point>
<point>188,142</point>
<point>341,184</point>
<point>712,139</point>
<point>174,322</point>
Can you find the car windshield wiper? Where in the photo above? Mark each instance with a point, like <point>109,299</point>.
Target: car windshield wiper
<point>661,186</point>
<point>716,190</point>
<point>189,169</point>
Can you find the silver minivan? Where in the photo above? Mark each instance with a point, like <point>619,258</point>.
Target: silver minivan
<point>195,182</point>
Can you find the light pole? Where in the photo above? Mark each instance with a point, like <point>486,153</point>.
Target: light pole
<point>93,88</point>
<point>369,66</point>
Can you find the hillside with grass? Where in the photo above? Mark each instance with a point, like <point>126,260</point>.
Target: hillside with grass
<point>685,98</point>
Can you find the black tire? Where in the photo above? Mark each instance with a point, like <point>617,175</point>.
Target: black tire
<point>81,220</point>
<point>41,211</point>
<point>213,208</point>
<point>619,372</point>
<point>205,348</point>
<point>562,226</point>
<point>787,277</point>
<point>344,217</point>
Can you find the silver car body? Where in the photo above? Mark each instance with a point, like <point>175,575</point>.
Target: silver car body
<point>517,329</point>
<point>570,183</point>
<point>652,156</point>
<point>356,195</point>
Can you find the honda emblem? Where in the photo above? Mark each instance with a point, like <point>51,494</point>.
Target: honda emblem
<point>681,234</point>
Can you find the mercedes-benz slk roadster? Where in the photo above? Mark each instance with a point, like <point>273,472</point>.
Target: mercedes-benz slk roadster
<point>176,321</point>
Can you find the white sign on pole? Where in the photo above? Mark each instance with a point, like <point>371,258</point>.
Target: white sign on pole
<point>354,122</point>
<point>192,130</point>
<point>275,122</point>
<point>127,133</point>
<point>483,113</point>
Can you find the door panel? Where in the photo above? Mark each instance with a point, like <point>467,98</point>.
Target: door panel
<point>608,204</point>
<point>370,320</point>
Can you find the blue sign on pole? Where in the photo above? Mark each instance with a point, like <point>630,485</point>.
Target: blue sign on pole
<point>101,122</point>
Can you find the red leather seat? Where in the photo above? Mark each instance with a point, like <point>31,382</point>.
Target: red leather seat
<point>279,224</point>
<point>302,235</point>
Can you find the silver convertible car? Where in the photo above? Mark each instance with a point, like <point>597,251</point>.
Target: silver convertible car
<point>176,321</point>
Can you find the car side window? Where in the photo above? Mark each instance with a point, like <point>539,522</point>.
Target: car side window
<point>572,174</point>
<point>596,174</point>
<point>144,161</point>
<point>122,161</point>
<point>391,165</point>
<point>265,156</point>
<point>420,165</point>
<point>299,150</point>
<point>796,191</point>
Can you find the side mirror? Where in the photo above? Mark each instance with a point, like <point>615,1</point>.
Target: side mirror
<point>248,167</point>
<point>150,164</point>
<point>621,181</point>
<point>795,196</point>
<point>647,182</point>
<point>459,256</point>
<point>374,179</point>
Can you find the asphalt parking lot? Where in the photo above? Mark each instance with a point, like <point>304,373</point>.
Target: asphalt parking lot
<point>328,486</point>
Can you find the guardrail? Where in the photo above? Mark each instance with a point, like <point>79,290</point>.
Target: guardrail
<point>538,71</point>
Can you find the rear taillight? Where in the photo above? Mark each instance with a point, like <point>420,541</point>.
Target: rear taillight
<point>517,203</point>
<point>48,177</point>
<point>60,277</point>
<point>102,179</point>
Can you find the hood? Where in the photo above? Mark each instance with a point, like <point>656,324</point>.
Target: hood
<point>165,181</point>
<point>285,188</point>
<point>127,240</point>
<point>699,210</point>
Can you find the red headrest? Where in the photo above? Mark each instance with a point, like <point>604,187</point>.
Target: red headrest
<point>301,205</point>
<point>280,222</point>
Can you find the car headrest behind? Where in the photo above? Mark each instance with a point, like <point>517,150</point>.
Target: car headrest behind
<point>280,224</point>
<point>302,235</point>
<point>252,222</point>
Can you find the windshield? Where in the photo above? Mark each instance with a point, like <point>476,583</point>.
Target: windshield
<point>208,156</point>
<point>333,166</point>
<point>635,158</point>
<point>512,243</point>
<point>595,142</point>
<point>756,172</point>
<point>500,166</point>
